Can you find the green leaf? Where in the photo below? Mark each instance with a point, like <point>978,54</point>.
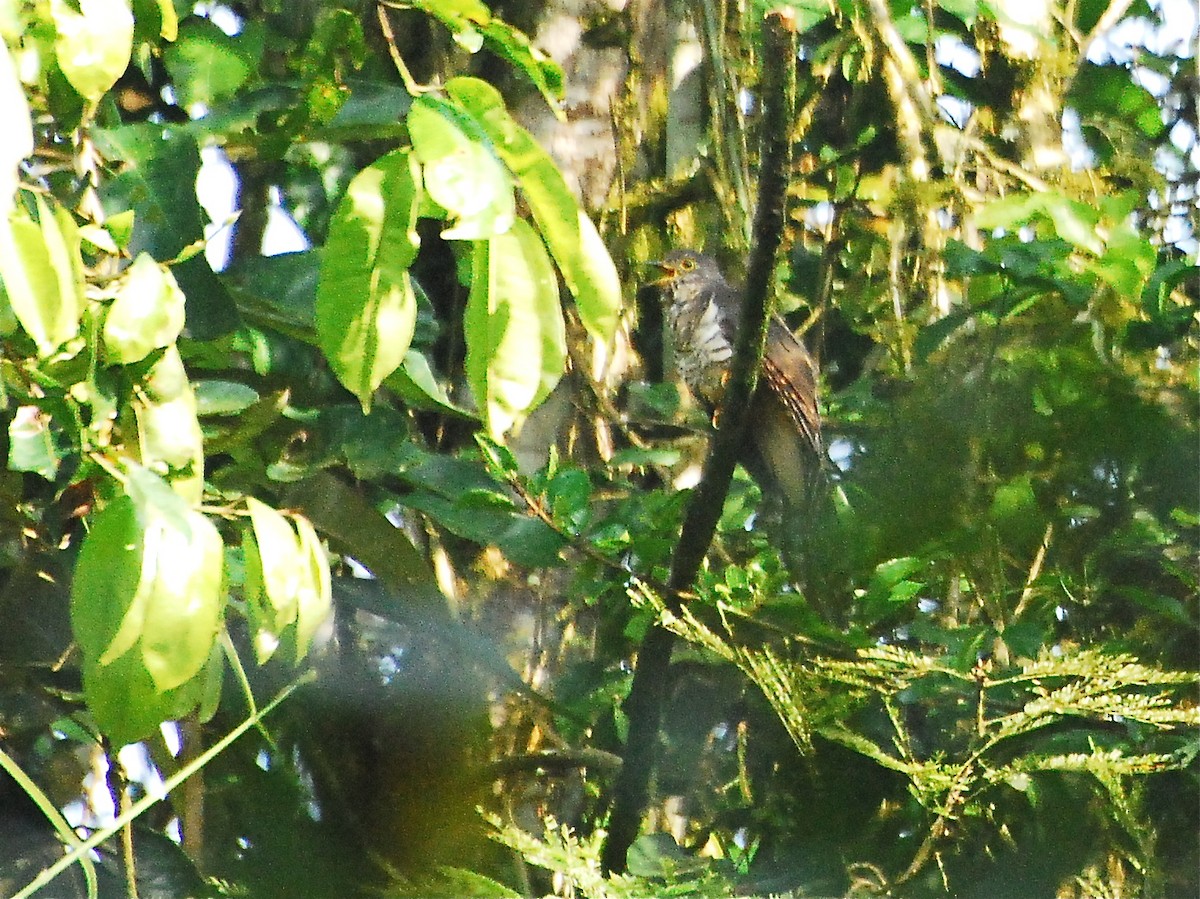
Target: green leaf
<point>145,607</point>
<point>169,433</point>
<point>41,268</point>
<point>93,45</point>
<point>516,339</point>
<point>366,309</point>
<point>586,266</point>
<point>207,65</point>
<point>274,570</point>
<point>158,183</point>
<point>314,602</point>
<point>107,609</point>
<point>183,606</point>
<point>31,443</point>
<point>460,172</point>
<point>147,314</point>
<point>1073,221</point>
<point>126,703</point>
<point>215,397</point>
<point>1106,93</point>
<point>1128,260</point>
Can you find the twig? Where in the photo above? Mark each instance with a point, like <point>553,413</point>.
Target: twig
<point>648,690</point>
<point>80,850</point>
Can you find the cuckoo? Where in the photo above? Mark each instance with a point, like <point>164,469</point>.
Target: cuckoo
<point>783,449</point>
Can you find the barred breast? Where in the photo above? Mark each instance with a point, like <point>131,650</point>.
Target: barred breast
<point>702,346</point>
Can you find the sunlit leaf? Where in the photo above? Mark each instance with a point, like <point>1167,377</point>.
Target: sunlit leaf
<point>145,607</point>
<point>472,24</point>
<point>31,443</point>
<point>274,574</point>
<point>366,309</point>
<point>460,172</point>
<point>516,342</point>
<point>169,433</point>
<point>184,602</point>
<point>147,314</point>
<point>93,44</point>
<point>42,274</point>
<point>581,256</point>
<point>314,603</point>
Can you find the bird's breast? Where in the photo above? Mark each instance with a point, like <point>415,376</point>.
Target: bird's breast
<point>702,347</point>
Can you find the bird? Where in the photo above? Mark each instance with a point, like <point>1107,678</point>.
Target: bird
<point>784,449</point>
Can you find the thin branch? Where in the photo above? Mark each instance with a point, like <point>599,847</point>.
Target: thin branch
<point>1035,571</point>
<point>647,693</point>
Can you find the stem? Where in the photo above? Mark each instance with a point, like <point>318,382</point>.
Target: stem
<point>80,851</point>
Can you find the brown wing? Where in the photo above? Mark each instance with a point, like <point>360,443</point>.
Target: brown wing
<point>791,374</point>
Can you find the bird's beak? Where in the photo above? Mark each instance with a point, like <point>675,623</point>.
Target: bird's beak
<point>668,271</point>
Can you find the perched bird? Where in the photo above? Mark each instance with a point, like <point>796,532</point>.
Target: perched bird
<point>783,445</point>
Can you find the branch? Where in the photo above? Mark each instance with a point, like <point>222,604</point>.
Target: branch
<point>647,692</point>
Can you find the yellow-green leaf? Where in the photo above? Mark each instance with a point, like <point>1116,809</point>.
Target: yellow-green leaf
<point>516,340</point>
<point>146,315</point>
<point>365,308</point>
<point>93,44</point>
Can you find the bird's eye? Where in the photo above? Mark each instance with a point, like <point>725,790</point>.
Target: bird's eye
<point>687,264</point>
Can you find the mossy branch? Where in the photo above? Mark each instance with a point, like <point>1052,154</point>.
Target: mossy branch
<point>648,691</point>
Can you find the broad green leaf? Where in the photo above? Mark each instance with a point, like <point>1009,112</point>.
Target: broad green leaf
<point>110,597</point>
<point>366,309</point>
<point>147,314</point>
<point>158,183</point>
<point>18,137</point>
<point>183,605</point>
<point>31,443</point>
<point>274,572</point>
<point>127,704</point>
<point>1128,260</point>
<point>315,600</point>
<point>1073,221</point>
<point>1102,93</point>
<point>93,45</point>
<point>516,340</point>
<point>586,266</point>
<point>207,65</point>
<point>106,608</point>
<point>41,270</point>
<point>460,172</point>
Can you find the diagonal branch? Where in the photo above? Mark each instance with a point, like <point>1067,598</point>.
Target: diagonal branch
<point>647,693</point>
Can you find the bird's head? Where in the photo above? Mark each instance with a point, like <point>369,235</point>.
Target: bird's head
<point>684,267</point>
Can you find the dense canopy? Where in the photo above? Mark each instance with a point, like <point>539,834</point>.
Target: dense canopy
<point>366,542</point>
